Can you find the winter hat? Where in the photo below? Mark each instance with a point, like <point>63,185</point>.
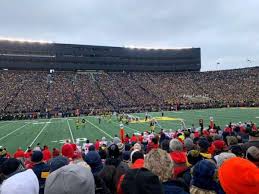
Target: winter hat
<point>238,175</point>
<point>121,147</point>
<point>36,156</point>
<point>203,175</point>
<point>141,181</point>
<point>72,178</point>
<point>67,150</point>
<point>224,156</point>
<point>175,145</point>
<point>91,148</point>
<point>188,143</point>
<point>232,140</point>
<point>137,155</point>
<point>193,157</point>
<point>113,151</point>
<point>11,166</point>
<point>204,143</point>
<point>137,146</point>
<point>93,159</point>
<point>126,155</point>
<point>219,144</point>
<point>252,154</point>
<point>237,150</point>
<point>57,162</point>
<point>159,162</point>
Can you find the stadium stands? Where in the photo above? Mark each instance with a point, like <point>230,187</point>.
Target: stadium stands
<point>41,91</point>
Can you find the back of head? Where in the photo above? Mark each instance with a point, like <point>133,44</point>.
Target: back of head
<point>141,181</point>
<point>224,156</point>
<point>73,178</point>
<point>175,145</point>
<point>203,175</point>
<point>137,155</point>
<point>11,166</point>
<point>252,154</point>
<point>22,182</point>
<point>159,162</point>
<point>238,175</point>
<point>57,162</point>
<point>93,159</point>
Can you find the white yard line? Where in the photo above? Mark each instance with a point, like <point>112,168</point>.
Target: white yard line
<point>73,140</point>
<point>13,131</point>
<point>44,127</point>
<point>99,128</point>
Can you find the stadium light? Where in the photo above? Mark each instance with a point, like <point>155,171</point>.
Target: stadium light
<point>154,48</point>
<point>23,40</point>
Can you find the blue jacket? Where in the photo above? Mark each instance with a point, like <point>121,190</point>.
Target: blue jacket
<point>41,170</point>
<point>174,187</point>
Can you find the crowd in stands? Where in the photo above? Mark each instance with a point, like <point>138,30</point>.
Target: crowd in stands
<point>196,161</point>
<point>41,92</point>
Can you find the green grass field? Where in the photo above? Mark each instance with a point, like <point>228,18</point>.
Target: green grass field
<point>53,132</point>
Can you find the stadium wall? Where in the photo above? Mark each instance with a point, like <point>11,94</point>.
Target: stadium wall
<point>71,57</point>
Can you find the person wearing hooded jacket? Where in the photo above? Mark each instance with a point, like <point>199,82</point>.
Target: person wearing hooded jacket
<point>18,180</point>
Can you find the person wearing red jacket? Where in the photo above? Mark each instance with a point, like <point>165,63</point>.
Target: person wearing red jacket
<point>55,152</point>
<point>140,138</point>
<point>133,139</point>
<point>153,144</point>
<point>28,153</point>
<point>46,154</point>
<point>137,162</point>
<point>97,144</point>
<point>126,139</point>
<point>19,153</point>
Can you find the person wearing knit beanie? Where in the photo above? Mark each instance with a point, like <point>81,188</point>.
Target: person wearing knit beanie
<point>239,176</point>
<point>252,154</point>
<point>203,180</point>
<point>67,151</point>
<point>72,178</point>
<point>222,157</point>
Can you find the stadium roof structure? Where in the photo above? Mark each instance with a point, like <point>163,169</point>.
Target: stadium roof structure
<point>44,55</point>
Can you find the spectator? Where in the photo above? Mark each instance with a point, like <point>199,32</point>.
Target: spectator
<point>57,162</point>
<point>252,154</point>
<point>93,159</point>
<point>203,145</point>
<point>40,169</point>
<point>203,178</point>
<point>238,175</point>
<point>76,178</point>
<point>46,154</point>
<point>141,181</point>
<point>158,162</point>
<point>19,154</point>
<point>18,180</point>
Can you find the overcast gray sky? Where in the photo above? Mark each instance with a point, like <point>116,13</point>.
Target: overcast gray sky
<point>227,31</point>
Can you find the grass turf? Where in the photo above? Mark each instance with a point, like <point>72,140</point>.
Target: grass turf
<point>53,132</point>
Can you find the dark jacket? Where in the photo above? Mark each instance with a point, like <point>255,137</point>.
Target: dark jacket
<point>174,187</point>
<point>141,181</point>
<point>41,170</point>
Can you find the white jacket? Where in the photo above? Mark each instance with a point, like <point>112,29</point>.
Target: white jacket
<point>21,183</point>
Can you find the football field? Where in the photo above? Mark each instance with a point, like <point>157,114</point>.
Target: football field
<point>53,132</point>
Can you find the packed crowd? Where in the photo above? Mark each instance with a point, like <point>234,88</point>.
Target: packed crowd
<point>27,92</point>
<point>191,160</point>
